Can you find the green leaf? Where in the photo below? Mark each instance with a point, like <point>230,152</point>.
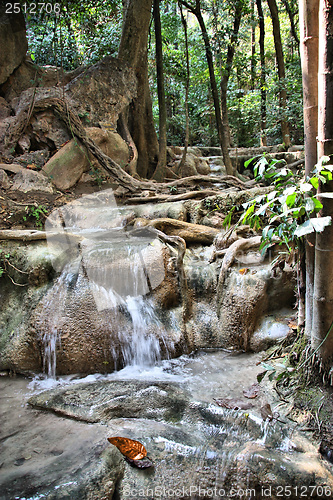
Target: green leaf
<point>315,182</point>
<point>272,375</point>
<point>267,366</point>
<point>303,229</point>
<point>290,201</point>
<point>260,376</point>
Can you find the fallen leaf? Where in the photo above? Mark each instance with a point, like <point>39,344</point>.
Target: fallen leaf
<point>244,270</point>
<point>252,392</point>
<point>130,448</point>
<point>266,412</point>
<point>233,404</point>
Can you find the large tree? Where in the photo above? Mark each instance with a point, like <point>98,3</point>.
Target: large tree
<point>133,49</point>
<point>223,140</point>
<point>322,331</point>
<point>308,12</point>
<point>281,71</point>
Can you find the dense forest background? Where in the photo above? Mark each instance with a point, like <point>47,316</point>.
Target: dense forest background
<point>85,32</point>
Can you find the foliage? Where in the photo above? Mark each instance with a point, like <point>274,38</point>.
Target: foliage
<point>82,34</point>
<point>38,213</point>
<point>290,208</point>
<point>87,31</point>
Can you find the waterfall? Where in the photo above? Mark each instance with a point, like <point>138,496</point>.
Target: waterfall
<point>121,268</point>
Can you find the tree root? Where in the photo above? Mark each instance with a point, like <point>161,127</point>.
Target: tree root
<point>191,233</point>
<point>229,257</point>
<point>22,234</point>
<point>181,247</point>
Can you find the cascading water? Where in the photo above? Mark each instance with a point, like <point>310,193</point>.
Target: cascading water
<point>120,268</point>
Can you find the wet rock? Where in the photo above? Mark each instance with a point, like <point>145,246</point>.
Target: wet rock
<point>267,333</point>
<point>116,399</point>
<point>205,448</point>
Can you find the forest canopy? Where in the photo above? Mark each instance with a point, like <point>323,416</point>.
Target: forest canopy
<point>85,32</point>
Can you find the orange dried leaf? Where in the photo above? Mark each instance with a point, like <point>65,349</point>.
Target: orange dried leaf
<point>129,447</point>
<point>243,270</point>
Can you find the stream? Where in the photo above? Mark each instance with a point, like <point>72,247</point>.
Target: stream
<point>199,449</point>
<point>168,381</point>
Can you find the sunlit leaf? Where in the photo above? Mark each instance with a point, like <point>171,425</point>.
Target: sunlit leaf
<point>315,182</point>
<point>130,448</point>
<point>306,187</point>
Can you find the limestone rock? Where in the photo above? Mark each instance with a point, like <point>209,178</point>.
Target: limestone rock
<point>102,91</point>
<point>31,181</point>
<point>13,41</point>
<point>202,166</point>
<point>66,167</point>
<point>12,167</point>
<point>48,130</point>
<point>4,109</point>
<point>4,180</point>
<point>37,158</point>
<point>111,144</point>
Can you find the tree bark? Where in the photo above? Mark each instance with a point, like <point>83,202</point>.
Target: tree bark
<point>228,66</point>
<point>323,281</point>
<point>187,124</point>
<point>263,137</point>
<point>159,173</point>
<point>133,49</point>
<point>281,71</point>
<point>253,46</point>
<point>308,13</point>
<point>209,56</point>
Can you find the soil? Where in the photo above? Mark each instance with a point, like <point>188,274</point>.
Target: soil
<point>19,210</point>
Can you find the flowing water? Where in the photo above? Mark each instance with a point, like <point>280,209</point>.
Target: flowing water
<point>121,268</point>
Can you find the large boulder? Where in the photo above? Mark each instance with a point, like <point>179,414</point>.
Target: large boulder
<point>66,167</point>
<point>13,41</point>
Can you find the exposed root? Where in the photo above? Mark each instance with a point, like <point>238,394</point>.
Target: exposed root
<point>229,257</point>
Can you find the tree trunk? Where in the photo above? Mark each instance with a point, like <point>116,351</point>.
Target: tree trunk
<point>253,46</point>
<point>209,56</point>
<point>323,282</point>
<point>228,66</point>
<point>281,71</point>
<point>308,12</point>
<point>263,137</point>
<point>159,174</point>
<point>133,49</point>
<point>187,125</point>
<point>291,13</point>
